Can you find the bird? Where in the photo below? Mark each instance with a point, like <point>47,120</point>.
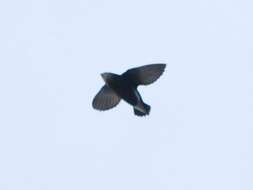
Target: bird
<point>125,86</point>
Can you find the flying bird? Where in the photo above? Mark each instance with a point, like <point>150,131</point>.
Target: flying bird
<point>124,87</point>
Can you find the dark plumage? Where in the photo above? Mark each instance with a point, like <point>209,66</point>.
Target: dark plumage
<point>124,87</point>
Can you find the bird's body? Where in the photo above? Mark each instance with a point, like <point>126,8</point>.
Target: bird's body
<point>125,87</point>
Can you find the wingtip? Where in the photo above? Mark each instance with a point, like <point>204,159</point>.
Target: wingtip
<point>161,65</point>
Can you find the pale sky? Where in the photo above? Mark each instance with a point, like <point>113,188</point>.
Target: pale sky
<point>199,133</point>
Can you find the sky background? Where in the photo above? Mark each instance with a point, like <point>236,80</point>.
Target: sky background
<point>199,134</point>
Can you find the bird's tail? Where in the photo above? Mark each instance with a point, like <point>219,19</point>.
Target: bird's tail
<point>145,111</point>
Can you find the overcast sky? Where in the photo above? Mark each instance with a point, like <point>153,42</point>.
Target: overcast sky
<point>199,134</point>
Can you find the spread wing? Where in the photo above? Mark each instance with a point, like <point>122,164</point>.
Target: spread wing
<point>145,75</point>
<point>105,99</point>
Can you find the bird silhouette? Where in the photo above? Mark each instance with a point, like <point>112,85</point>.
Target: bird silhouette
<point>124,87</point>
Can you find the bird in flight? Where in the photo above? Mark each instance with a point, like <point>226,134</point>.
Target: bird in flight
<point>124,87</point>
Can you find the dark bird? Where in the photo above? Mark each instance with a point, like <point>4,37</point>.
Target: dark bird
<point>124,87</point>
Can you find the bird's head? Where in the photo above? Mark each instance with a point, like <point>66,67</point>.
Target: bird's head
<point>107,77</point>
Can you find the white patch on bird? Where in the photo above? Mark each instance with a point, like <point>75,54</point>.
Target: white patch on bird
<point>137,95</point>
<point>140,105</point>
